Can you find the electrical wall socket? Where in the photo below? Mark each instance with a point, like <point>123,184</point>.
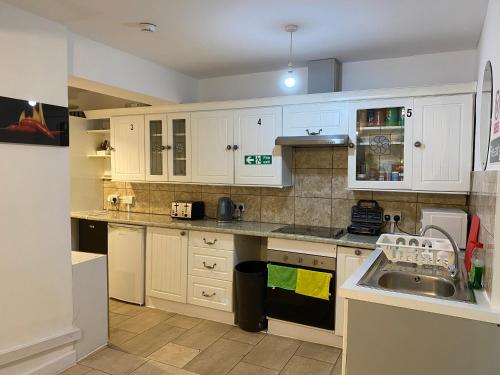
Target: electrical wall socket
<point>127,199</point>
<point>114,198</point>
<point>389,216</point>
<point>239,207</point>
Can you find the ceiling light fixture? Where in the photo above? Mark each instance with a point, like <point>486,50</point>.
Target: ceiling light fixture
<point>148,27</point>
<point>290,80</point>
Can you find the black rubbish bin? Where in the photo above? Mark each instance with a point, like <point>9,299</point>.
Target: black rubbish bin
<point>251,288</point>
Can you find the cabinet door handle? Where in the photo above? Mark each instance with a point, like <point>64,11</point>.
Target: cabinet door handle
<point>209,267</point>
<point>235,147</point>
<point>167,147</point>
<point>418,144</point>
<point>183,233</point>
<point>229,147</point>
<point>314,133</point>
<point>357,252</point>
<point>351,145</point>
<point>209,242</point>
<point>205,294</point>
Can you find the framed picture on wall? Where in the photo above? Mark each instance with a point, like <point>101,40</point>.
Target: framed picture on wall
<point>27,121</point>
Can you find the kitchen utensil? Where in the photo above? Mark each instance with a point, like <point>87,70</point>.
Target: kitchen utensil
<point>225,210</point>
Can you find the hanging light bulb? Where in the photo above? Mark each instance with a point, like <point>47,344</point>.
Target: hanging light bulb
<point>290,79</point>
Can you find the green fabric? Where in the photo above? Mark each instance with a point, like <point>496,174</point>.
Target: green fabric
<point>281,277</point>
<point>313,284</point>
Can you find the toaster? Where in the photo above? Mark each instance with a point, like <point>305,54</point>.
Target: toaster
<point>190,210</point>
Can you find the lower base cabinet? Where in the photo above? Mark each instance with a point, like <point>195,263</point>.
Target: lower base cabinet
<point>216,294</point>
<point>348,260</point>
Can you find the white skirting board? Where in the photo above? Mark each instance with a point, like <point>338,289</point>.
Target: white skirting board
<point>304,333</point>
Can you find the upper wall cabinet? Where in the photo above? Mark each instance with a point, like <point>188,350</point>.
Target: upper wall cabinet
<point>257,160</point>
<point>179,151</point>
<point>442,143</point>
<point>315,119</point>
<point>422,144</point>
<point>212,147</point>
<point>156,147</point>
<point>127,141</point>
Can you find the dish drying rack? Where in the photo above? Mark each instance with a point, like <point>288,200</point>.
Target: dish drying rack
<point>417,250</point>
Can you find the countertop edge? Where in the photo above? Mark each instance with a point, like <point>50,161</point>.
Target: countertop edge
<point>197,225</point>
<point>481,311</point>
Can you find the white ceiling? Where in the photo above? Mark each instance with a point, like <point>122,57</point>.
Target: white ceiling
<point>206,38</point>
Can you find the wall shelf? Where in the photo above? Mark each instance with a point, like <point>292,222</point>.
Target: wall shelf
<point>98,131</point>
<point>98,156</point>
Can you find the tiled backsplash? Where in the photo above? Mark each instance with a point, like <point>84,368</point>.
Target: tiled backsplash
<point>483,203</point>
<point>318,197</point>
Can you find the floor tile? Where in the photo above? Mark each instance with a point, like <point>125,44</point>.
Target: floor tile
<point>272,352</point>
<point>175,355</point>
<point>113,362</point>
<point>96,372</point>
<point>243,368</point>
<point>219,358</point>
<point>320,352</point>
<point>119,336</point>
<point>115,319</point>
<point>202,335</point>
<point>77,370</point>
<point>237,334</point>
<point>127,309</point>
<point>157,368</point>
<point>337,369</point>
<point>152,339</point>
<point>306,366</point>
<point>144,320</point>
<point>183,321</point>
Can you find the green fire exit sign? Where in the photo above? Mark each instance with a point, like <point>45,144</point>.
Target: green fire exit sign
<point>258,159</point>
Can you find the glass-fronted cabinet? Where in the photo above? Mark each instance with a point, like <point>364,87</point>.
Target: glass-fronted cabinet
<point>380,149</point>
<point>156,147</point>
<point>179,132</point>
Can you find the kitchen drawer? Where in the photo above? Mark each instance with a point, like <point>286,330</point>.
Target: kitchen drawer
<point>215,294</point>
<point>211,240</point>
<point>212,263</point>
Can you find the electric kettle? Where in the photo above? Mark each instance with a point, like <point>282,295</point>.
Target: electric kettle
<point>225,210</point>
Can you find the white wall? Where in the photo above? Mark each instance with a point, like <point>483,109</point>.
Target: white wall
<point>247,86</point>
<point>35,266</point>
<point>98,62</point>
<point>421,70</point>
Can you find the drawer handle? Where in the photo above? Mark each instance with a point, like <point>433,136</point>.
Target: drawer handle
<point>210,242</point>
<point>209,267</point>
<point>357,252</point>
<point>205,294</point>
<point>314,133</point>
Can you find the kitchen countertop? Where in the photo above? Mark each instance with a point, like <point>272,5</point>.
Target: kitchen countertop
<point>480,311</point>
<point>238,227</point>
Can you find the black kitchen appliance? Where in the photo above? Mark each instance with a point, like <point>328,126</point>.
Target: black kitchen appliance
<point>225,210</point>
<point>367,217</point>
<point>191,210</point>
<point>93,236</point>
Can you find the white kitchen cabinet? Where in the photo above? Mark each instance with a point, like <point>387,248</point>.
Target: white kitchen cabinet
<point>321,118</point>
<point>348,260</point>
<point>156,147</point>
<point>166,264</point>
<point>258,161</point>
<point>212,147</point>
<point>381,154</point>
<point>442,143</point>
<point>127,141</point>
<point>179,147</point>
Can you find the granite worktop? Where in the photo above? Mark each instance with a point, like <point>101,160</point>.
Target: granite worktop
<point>245,228</point>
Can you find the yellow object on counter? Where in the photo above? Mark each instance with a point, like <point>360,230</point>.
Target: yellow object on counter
<point>313,284</point>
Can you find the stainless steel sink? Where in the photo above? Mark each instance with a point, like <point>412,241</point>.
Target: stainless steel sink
<point>409,278</point>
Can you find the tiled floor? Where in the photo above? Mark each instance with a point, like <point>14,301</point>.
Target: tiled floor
<point>152,342</point>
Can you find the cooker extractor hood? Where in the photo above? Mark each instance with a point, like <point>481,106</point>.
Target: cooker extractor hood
<point>338,140</point>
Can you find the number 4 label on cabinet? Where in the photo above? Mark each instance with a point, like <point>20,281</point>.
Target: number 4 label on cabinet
<point>258,159</point>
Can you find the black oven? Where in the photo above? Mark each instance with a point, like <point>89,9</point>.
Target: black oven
<point>289,306</point>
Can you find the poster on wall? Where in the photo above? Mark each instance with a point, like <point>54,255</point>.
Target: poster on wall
<point>27,121</point>
<point>495,133</point>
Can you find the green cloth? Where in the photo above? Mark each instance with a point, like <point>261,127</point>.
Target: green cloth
<point>281,277</point>
<point>313,284</point>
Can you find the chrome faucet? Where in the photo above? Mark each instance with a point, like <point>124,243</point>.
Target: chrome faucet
<point>455,271</point>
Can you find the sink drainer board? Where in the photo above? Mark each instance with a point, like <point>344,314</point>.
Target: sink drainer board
<point>416,249</point>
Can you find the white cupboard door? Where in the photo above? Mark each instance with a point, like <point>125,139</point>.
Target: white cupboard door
<point>127,141</point>
<point>442,143</point>
<point>348,260</point>
<point>166,264</point>
<point>212,147</point>
<point>321,118</point>
<point>156,147</point>
<point>179,143</point>
<point>257,160</point>
<point>380,155</point>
